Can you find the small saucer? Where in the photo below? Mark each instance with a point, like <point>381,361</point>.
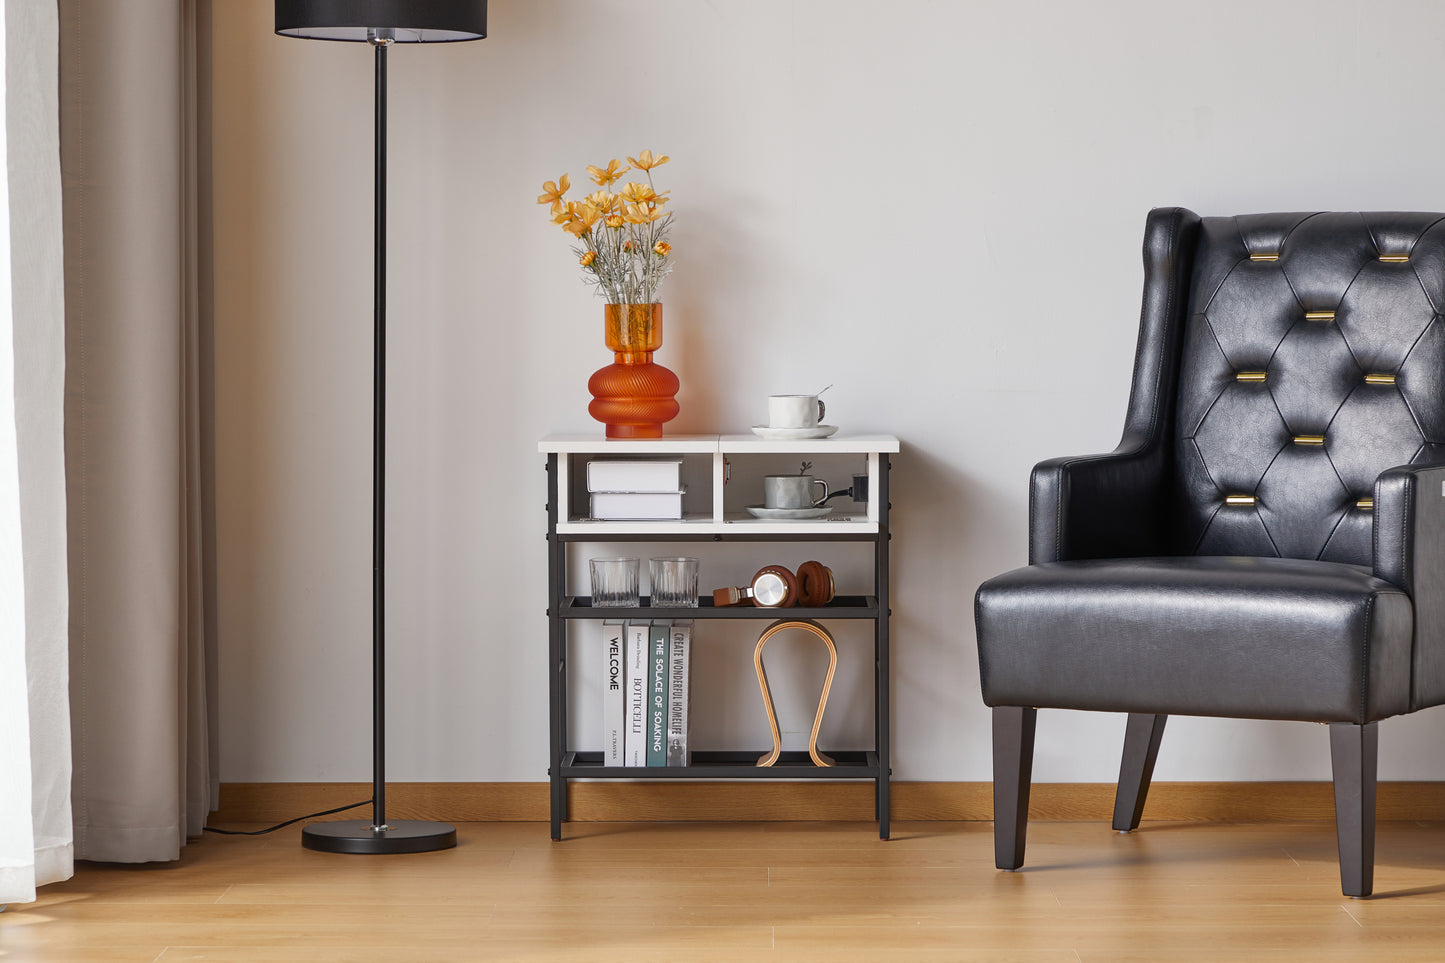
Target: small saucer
<point>793,434</point>
<point>790,514</point>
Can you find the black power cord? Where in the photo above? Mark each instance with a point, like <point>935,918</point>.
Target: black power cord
<point>272,829</point>
<point>859,491</point>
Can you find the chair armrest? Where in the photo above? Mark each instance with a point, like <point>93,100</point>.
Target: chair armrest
<point>1098,506</point>
<point>1409,551</point>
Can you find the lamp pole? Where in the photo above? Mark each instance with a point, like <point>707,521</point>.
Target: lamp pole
<point>376,835</point>
<point>380,39</point>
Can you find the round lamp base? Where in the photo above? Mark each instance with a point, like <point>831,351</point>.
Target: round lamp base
<point>359,836</point>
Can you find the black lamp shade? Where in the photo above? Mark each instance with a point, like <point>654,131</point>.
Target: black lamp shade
<point>415,21</point>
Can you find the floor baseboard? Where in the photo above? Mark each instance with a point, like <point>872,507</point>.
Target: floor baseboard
<point>650,800</point>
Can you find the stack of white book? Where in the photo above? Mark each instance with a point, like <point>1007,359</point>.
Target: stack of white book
<point>633,489</point>
<point>645,693</point>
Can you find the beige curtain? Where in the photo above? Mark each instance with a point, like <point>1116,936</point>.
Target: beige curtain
<point>134,93</point>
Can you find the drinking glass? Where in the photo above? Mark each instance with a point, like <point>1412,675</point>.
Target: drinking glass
<point>614,582</point>
<point>674,582</point>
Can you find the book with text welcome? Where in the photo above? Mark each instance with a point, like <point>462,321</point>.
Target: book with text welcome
<point>614,693</point>
<point>634,745</point>
<point>657,694</point>
<point>679,669</point>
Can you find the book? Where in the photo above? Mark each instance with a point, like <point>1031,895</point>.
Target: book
<point>634,745</point>
<point>636,505</point>
<point>614,693</point>
<point>679,671</point>
<point>657,694</point>
<point>634,475</point>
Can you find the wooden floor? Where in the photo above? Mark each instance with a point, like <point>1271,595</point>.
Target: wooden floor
<point>758,891</point>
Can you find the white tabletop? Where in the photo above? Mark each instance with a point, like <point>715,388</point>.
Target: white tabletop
<point>741,443</point>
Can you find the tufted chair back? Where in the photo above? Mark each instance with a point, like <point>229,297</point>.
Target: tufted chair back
<point>1313,359</point>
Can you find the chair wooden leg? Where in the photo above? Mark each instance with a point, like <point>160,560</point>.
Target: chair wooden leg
<point>1141,748</point>
<point>1013,763</point>
<point>1354,757</point>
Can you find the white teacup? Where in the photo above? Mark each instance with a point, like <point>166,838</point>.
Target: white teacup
<point>795,411</point>
<point>792,491</point>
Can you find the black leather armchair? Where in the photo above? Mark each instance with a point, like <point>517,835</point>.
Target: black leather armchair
<point>1268,540</point>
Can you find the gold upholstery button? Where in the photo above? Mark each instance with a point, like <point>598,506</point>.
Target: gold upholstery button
<point>1309,439</point>
<point>1319,315</point>
<point>1254,376</point>
<point>1379,379</point>
<point>1264,257</point>
<point>1239,500</point>
<point>1395,258</point>
<point>1365,504</point>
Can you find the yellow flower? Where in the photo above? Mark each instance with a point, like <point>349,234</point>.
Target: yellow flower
<point>563,212</point>
<point>627,245</point>
<point>588,258</point>
<point>601,200</point>
<point>637,214</point>
<point>661,249</point>
<point>582,218</point>
<point>614,221</point>
<point>552,192</point>
<point>604,176</point>
<point>641,194</point>
<point>644,161</point>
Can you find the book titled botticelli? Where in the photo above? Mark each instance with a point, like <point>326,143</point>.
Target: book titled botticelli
<point>634,746</point>
<point>614,693</point>
<point>679,669</point>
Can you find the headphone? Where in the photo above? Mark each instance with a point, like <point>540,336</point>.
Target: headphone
<point>775,587</point>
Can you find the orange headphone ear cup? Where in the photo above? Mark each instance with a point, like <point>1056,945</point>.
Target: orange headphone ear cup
<point>790,584</point>
<point>815,584</point>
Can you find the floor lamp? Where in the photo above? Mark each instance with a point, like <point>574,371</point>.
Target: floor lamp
<point>380,23</point>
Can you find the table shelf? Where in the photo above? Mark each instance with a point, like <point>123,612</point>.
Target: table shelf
<point>842,607</point>
<point>729,764</point>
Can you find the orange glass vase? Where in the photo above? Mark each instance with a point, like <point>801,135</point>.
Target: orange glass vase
<point>633,396</point>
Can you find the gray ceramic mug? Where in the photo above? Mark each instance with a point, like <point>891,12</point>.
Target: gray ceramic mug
<point>792,491</point>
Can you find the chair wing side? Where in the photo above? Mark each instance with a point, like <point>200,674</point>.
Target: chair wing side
<point>1409,551</point>
<point>1115,505</point>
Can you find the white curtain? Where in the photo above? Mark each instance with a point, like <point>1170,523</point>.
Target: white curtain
<point>35,756</point>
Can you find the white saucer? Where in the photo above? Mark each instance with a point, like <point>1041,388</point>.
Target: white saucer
<point>793,434</point>
<point>779,514</point>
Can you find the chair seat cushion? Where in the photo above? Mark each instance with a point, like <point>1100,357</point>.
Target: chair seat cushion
<point>1254,638</point>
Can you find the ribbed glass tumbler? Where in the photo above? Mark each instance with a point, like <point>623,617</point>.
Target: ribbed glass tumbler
<point>674,582</point>
<point>614,582</point>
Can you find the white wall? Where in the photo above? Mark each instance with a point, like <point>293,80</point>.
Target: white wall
<point>936,206</point>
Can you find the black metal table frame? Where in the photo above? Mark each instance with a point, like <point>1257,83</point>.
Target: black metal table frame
<point>565,764</point>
